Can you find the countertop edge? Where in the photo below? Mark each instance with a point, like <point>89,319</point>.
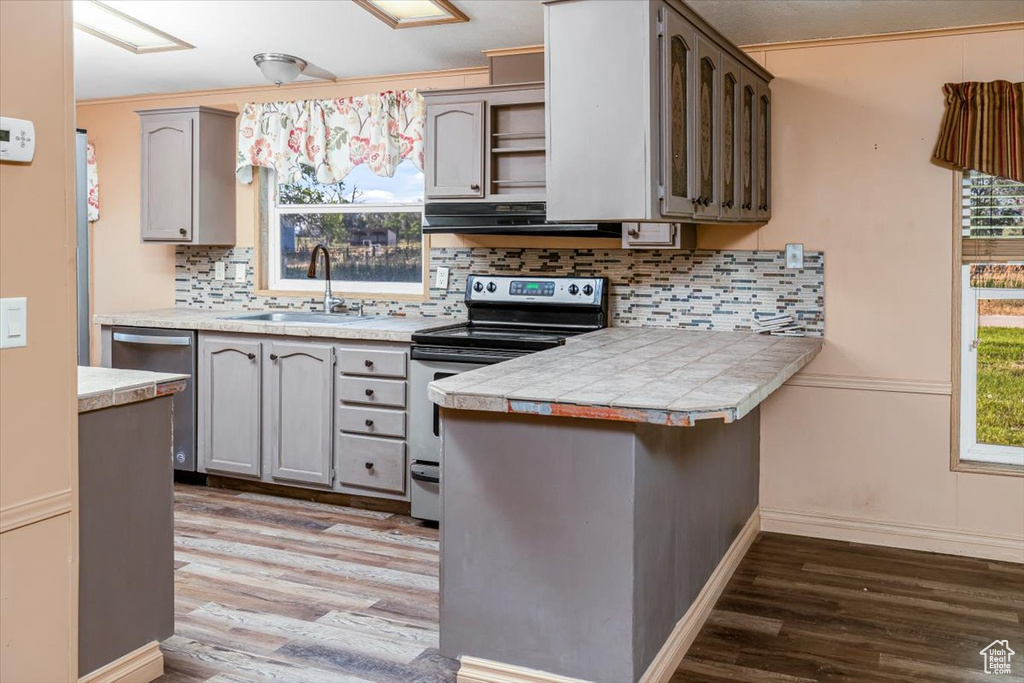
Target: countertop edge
<point>128,392</point>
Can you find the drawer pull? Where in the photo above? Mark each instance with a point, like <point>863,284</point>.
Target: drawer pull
<point>369,423</point>
<point>369,465</point>
<point>368,363</point>
<point>369,392</point>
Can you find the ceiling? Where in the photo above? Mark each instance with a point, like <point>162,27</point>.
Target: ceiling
<point>341,37</point>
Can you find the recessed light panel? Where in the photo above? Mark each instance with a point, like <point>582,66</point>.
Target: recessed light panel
<point>123,30</point>
<point>410,13</point>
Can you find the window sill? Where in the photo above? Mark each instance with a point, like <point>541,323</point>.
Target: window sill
<point>975,467</point>
<point>350,296</point>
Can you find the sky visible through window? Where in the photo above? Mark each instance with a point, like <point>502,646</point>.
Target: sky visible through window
<point>363,186</point>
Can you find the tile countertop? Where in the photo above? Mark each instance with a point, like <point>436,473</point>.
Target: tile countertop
<point>105,387</point>
<point>661,376</point>
<point>383,328</point>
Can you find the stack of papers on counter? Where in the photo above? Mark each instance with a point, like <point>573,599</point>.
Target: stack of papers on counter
<point>779,326</point>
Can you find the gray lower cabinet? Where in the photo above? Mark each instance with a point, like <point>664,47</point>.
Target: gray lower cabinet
<point>229,386</point>
<point>302,413</point>
<point>298,411</point>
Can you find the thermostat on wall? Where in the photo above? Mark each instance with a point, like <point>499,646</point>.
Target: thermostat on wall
<point>17,139</point>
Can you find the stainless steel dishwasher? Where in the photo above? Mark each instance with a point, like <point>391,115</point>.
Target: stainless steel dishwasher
<point>159,350</point>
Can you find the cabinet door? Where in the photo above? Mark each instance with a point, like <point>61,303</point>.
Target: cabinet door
<point>678,59</point>
<point>229,406</point>
<point>166,193</point>
<point>764,152</point>
<point>299,409</point>
<point>748,146</point>
<point>455,150</point>
<point>730,159</point>
<point>706,131</point>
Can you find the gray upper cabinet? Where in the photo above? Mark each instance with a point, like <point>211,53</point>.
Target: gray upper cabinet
<point>455,150</point>
<point>486,143</point>
<point>643,108</point>
<point>187,175</point>
<point>229,406</point>
<point>299,409</point>
<point>729,147</point>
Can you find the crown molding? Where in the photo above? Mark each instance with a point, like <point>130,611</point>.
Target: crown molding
<point>884,37</point>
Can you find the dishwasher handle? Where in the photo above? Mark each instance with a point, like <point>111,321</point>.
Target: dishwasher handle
<point>152,340</point>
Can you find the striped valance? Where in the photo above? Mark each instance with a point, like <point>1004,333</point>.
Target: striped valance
<point>983,128</point>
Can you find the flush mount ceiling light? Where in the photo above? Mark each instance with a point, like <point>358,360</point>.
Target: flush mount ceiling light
<point>123,30</point>
<point>412,13</point>
<point>280,68</point>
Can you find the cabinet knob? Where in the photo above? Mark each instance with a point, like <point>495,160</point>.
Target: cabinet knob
<point>728,204</point>
<point>369,392</point>
<point>369,423</point>
<point>474,187</point>
<point>252,356</point>
<point>368,363</point>
<point>182,231</point>
<point>368,465</point>
<point>273,356</point>
<point>633,232</point>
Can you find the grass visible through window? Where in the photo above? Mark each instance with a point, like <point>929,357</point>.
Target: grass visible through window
<point>1001,386</point>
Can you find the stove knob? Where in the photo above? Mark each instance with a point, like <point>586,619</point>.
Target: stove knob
<point>478,286</point>
<point>574,290</point>
<point>588,289</point>
<point>491,287</point>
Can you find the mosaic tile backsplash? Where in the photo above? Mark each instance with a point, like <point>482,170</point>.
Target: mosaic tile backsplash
<point>709,290</point>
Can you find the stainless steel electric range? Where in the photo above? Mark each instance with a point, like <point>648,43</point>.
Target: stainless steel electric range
<point>508,317</point>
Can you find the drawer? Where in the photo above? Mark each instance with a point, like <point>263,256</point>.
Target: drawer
<point>381,392</point>
<point>371,463</point>
<point>373,363</point>
<point>374,421</point>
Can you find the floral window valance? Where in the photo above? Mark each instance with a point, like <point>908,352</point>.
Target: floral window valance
<point>983,128</point>
<point>332,136</point>
<point>92,183</point>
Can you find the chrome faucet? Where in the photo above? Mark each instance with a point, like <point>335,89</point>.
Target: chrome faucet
<point>330,301</point>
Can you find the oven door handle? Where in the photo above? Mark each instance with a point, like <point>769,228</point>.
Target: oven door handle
<point>423,473</point>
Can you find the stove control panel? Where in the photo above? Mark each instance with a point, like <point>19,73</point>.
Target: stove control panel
<point>582,291</point>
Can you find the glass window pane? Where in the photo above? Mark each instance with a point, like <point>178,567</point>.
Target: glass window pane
<point>361,186</point>
<point>381,246</point>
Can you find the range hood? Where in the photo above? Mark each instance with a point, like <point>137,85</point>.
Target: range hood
<point>506,218</point>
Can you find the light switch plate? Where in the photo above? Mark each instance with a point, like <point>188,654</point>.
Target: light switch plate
<point>218,270</point>
<point>794,256</point>
<point>441,279</point>
<point>13,322</point>
<point>239,272</point>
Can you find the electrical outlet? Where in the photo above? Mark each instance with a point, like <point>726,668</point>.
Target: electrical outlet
<point>794,256</point>
<point>239,272</point>
<point>441,279</point>
<point>218,270</point>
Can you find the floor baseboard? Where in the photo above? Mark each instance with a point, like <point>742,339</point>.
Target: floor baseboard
<point>139,666</point>
<point>475,670</point>
<point>685,632</point>
<point>895,535</point>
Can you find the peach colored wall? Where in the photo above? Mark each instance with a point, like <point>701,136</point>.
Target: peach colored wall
<point>853,130</point>
<point>128,275</point>
<point>38,385</point>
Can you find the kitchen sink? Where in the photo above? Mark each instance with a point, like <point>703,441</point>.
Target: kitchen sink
<point>298,318</point>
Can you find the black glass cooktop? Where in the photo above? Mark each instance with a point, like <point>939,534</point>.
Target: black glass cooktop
<point>491,336</point>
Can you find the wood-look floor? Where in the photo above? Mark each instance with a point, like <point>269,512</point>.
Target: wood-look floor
<point>803,609</point>
<point>275,589</point>
<point>288,591</point>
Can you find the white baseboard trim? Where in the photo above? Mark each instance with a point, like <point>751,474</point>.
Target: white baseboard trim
<point>665,663</point>
<point>139,666</point>
<point>475,670</point>
<point>895,534</point>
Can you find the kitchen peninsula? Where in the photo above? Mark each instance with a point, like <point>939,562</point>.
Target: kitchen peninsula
<point>591,490</point>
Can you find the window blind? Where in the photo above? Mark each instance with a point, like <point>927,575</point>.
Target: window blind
<point>992,218</point>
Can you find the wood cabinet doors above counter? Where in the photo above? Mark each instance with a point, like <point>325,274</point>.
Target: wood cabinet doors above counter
<point>645,116</point>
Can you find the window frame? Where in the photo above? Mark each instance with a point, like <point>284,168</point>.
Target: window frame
<point>963,397</point>
<point>273,284</point>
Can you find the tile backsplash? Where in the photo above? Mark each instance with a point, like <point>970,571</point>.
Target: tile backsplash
<point>720,290</point>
